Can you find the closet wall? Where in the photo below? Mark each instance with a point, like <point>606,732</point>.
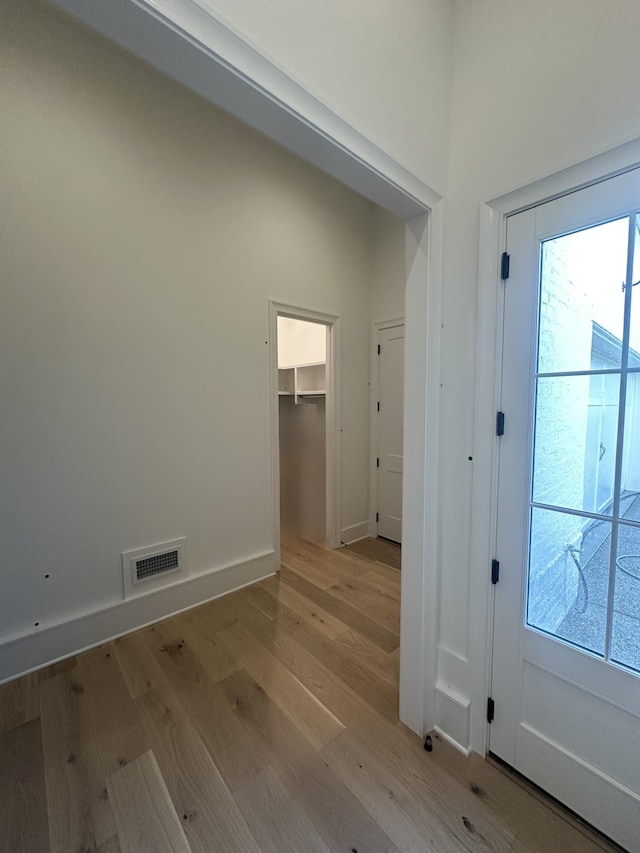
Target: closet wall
<point>302,432</point>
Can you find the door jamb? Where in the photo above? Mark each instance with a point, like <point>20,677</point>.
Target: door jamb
<point>493,221</point>
<point>419,601</point>
<point>374,428</point>
<point>333,460</point>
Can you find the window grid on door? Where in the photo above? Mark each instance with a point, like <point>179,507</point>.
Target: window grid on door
<point>587,401</point>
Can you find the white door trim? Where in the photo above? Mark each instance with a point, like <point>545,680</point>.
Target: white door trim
<point>420,486</point>
<point>333,416</point>
<point>374,431</point>
<point>488,382</point>
<point>188,44</point>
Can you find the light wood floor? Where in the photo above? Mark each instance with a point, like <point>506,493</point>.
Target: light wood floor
<point>263,721</point>
<point>379,550</point>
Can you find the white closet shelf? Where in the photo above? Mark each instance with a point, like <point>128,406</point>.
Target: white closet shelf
<point>302,380</point>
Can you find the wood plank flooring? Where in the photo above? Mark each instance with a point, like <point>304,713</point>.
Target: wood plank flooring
<point>262,721</point>
<point>380,550</point>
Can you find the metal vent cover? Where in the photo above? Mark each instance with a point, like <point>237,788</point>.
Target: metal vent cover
<point>151,565</point>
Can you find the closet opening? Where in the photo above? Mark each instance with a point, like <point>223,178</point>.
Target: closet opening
<point>304,441</point>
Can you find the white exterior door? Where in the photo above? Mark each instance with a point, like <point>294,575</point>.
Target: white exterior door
<point>391,364</point>
<point>566,660</point>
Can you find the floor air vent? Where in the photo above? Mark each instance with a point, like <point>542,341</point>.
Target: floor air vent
<point>152,565</point>
<point>149,567</point>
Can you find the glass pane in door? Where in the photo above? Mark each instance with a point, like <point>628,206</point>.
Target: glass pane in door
<point>625,640</point>
<point>629,487</point>
<point>585,482</point>
<point>576,430</point>
<point>568,573</point>
<point>581,310</point>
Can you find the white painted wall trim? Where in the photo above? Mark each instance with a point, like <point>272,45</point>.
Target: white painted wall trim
<point>452,708</point>
<point>421,515</point>
<point>333,416</point>
<point>452,713</point>
<point>488,382</point>
<point>374,432</point>
<point>485,472</point>
<point>446,737</point>
<point>26,652</point>
<point>190,45</point>
<point>601,167</point>
<point>354,533</point>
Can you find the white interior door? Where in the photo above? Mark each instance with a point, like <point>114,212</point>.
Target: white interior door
<point>566,662</point>
<point>391,364</point>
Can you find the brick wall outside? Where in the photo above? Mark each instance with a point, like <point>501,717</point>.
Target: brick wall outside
<point>561,439</point>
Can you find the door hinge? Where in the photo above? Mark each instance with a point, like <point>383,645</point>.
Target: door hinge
<point>500,423</point>
<point>378,462</point>
<point>378,349</point>
<point>377,516</point>
<point>491,707</point>
<point>495,571</point>
<point>378,405</point>
<point>504,266</point>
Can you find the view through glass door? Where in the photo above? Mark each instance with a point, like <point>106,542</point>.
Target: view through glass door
<point>566,668</point>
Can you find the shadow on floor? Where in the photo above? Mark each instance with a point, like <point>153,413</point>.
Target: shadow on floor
<point>381,550</point>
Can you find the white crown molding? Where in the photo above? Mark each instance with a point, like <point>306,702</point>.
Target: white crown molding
<point>186,42</point>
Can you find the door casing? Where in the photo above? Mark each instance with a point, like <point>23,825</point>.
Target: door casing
<point>333,460</point>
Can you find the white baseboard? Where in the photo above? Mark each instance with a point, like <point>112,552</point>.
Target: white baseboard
<point>27,652</point>
<point>466,752</point>
<point>349,535</point>
<point>452,717</point>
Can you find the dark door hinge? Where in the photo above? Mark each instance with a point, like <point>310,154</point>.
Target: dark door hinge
<point>495,571</point>
<point>505,265</point>
<point>378,405</point>
<point>491,707</point>
<point>378,349</point>
<point>500,423</point>
<point>377,516</point>
<point>378,462</point>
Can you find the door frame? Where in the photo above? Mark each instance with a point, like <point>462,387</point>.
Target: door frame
<point>374,427</point>
<point>333,461</point>
<point>484,522</point>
